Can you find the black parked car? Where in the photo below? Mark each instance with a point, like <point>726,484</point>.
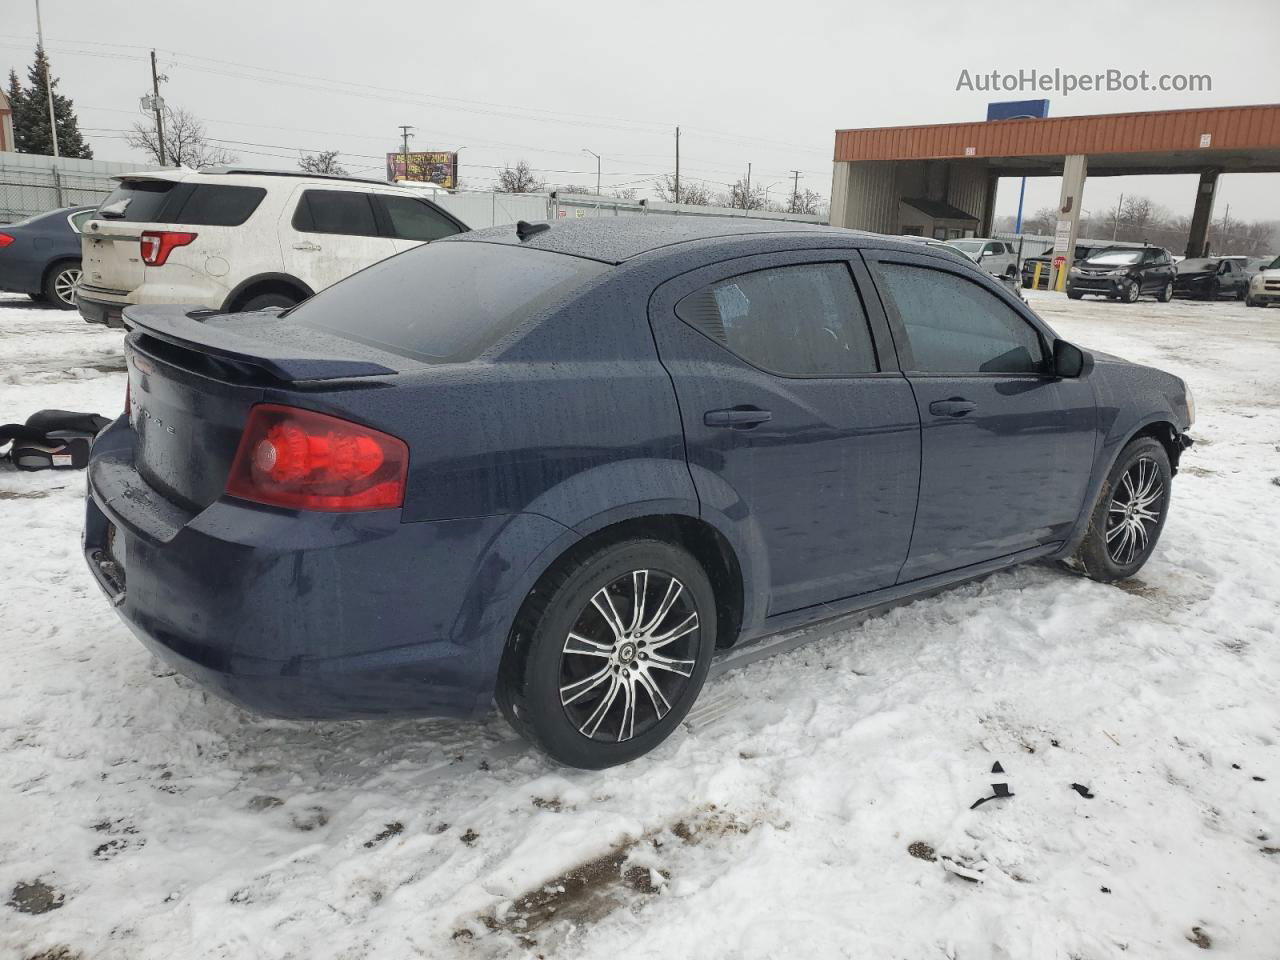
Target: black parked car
<point>1209,278</point>
<point>40,256</point>
<point>1123,273</point>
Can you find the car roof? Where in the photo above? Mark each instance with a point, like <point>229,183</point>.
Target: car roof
<point>617,239</point>
<point>242,176</point>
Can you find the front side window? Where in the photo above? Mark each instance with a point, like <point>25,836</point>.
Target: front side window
<point>804,320</point>
<point>412,219</point>
<point>335,211</point>
<point>955,326</point>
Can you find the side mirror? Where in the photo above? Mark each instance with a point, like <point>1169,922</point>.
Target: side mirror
<point>1069,361</point>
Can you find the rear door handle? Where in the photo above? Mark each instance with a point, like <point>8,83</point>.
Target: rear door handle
<point>955,407</point>
<point>306,246</point>
<point>739,418</point>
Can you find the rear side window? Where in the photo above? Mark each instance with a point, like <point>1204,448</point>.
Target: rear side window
<point>411,219</point>
<point>955,326</point>
<point>445,301</point>
<point>218,205</point>
<point>335,211</point>
<point>797,321</point>
<point>78,220</point>
<point>137,201</point>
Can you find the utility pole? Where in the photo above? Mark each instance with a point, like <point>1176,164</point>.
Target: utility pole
<point>53,123</point>
<point>155,106</point>
<point>795,192</point>
<point>677,164</point>
<point>405,135</point>
<point>597,156</point>
<point>746,194</point>
<point>1115,227</point>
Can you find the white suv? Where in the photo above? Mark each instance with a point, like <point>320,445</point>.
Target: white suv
<point>994,256</point>
<point>242,240</point>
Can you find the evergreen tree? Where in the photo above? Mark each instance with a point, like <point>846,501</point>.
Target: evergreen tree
<point>31,115</point>
<point>16,102</point>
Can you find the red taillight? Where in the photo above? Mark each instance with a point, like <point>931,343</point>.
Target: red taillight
<point>158,244</point>
<point>311,461</point>
<point>5,240</point>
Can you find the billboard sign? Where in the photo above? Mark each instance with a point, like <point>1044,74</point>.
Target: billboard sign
<point>1017,109</point>
<point>431,167</point>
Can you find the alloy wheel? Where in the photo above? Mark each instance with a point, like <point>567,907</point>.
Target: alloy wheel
<point>1134,512</point>
<point>1132,292</point>
<point>65,283</point>
<point>629,656</point>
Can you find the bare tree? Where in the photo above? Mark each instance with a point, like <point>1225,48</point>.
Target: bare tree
<point>629,193</point>
<point>324,162</point>
<point>575,188</point>
<point>185,142</point>
<point>805,201</point>
<point>691,191</point>
<point>740,196</point>
<point>1044,222</point>
<point>519,179</point>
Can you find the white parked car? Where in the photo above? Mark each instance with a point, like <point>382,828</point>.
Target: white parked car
<point>243,239</point>
<point>1264,286</point>
<point>994,256</point>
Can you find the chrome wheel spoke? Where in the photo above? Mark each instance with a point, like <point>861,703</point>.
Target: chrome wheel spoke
<point>656,697</point>
<point>587,648</point>
<point>627,728</point>
<point>639,587</point>
<point>683,667</point>
<point>674,589</point>
<point>573,691</point>
<point>602,708</point>
<point>686,627</point>
<point>609,612</point>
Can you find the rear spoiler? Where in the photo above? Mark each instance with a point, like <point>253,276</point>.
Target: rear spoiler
<point>290,362</point>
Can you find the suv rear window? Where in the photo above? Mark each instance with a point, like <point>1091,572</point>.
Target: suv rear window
<point>137,201</point>
<point>183,204</point>
<point>445,301</point>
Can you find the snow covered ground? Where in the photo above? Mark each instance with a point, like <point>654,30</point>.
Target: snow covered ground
<point>817,805</point>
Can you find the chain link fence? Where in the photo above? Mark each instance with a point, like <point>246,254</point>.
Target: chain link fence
<point>32,184</point>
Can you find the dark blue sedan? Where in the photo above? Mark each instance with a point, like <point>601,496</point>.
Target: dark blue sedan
<point>40,256</point>
<point>562,466</point>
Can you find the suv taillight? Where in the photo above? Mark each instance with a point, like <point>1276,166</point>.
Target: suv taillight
<point>5,240</point>
<point>158,244</point>
<point>311,461</point>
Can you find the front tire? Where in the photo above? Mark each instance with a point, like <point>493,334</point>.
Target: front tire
<point>1129,514</point>
<point>1071,294</point>
<point>1132,292</point>
<point>60,285</point>
<point>609,653</point>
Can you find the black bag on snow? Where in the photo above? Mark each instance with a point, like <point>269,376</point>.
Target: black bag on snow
<point>52,439</point>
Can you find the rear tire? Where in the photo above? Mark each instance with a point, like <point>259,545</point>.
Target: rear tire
<point>1166,294</point>
<point>264,300</point>
<point>1121,537</point>
<point>60,285</point>
<point>587,688</point>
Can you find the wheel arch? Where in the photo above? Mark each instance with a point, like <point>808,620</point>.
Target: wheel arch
<point>265,283</point>
<point>53,265</point>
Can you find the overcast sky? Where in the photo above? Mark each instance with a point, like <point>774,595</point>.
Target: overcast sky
<point>748,82</point>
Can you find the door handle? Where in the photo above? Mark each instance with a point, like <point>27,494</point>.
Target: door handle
<point>306,246</point>
<point>955,407</point>
<point>738,418</point>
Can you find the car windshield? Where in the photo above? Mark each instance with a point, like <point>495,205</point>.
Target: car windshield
<point>445,301</point>
<point>1273,265</point>
<point>1115,256</point>
<point>971,247</point>
<point>1197,266</point>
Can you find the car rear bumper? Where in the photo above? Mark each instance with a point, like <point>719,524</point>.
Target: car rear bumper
<point>307,614</point>
<point>100,311</point>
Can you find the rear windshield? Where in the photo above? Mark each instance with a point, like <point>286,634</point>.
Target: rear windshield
<point>184,204</point>
<point>445,301</point>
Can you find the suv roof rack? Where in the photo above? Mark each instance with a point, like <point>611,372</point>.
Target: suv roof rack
<point>259,171</point>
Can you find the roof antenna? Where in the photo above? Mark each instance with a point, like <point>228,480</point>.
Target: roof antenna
<point>525,229</point>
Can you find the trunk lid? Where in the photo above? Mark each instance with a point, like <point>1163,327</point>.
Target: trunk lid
<point>193,378</point>
<point>112,256</point>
